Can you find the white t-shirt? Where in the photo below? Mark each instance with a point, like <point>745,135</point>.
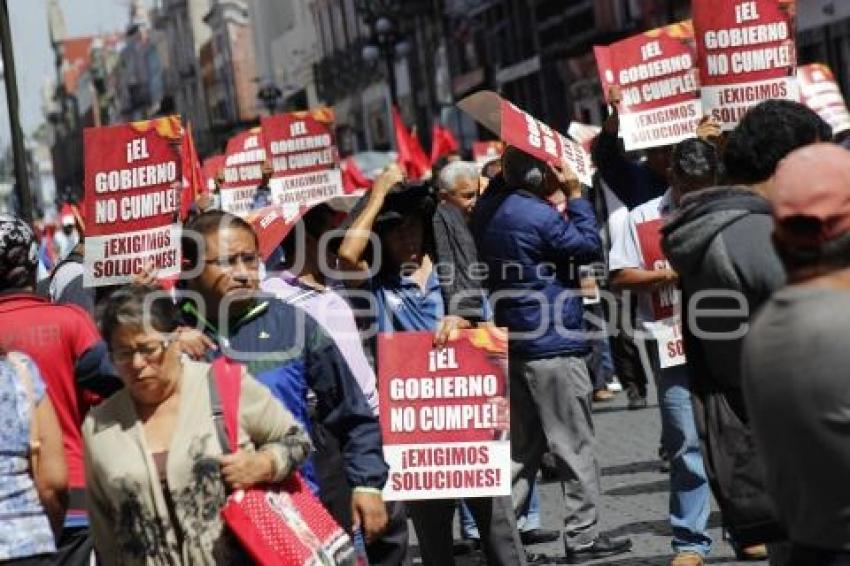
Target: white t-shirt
<point>639,247</point>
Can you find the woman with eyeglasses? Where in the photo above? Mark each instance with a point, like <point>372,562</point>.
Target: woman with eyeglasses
<point>155,473</point>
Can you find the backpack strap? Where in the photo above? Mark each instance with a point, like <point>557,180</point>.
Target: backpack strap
<point>225,388</point>
<point>73,257</point>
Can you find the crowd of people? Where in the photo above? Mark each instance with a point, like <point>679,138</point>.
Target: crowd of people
<point>737,243</point>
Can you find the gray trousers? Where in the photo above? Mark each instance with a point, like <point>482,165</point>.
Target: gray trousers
<point>551,408</point>
<point>494,516</point>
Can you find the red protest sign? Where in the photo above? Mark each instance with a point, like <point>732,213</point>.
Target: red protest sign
<point>605,67</point>
<point>649,236</point>
<point>272,224</point>
<point>304,157</point>
<point>211,167</point>
<point>658,82</point>
<point>133,178</point>
<point>745,55</point>
<point>666,326</point>
<point>483,152</point>
<point>525,132</point>
<point>583,134</point>
<point>820,92</point>
<point>443,429</point>
<point>243,171</point>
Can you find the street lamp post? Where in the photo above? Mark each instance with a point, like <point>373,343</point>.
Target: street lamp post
<point>385,41</point>
<point>22,181</point>
<point>98,74</point>
<point>389,61</point>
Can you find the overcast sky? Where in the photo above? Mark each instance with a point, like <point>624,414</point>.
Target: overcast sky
<point>33,55</point>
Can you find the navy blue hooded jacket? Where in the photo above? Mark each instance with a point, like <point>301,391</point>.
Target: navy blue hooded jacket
<point>530,251</point>
<point>284,348</point>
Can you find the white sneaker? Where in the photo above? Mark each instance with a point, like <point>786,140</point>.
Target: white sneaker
<point>614,386</point>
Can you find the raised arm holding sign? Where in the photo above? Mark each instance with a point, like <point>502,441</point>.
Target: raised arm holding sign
<point>651,82</point>
<point>746,55</point>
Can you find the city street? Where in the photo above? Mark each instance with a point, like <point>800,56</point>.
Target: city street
<point>634,493</point>
<point>249,251</point>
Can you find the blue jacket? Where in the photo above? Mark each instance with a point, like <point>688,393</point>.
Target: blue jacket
<point>289,352</point>
<point>529,250</point>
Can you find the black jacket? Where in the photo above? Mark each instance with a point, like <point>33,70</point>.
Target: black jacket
<point>719,241</point>
<point>633,183</point>
<point>454,245</point>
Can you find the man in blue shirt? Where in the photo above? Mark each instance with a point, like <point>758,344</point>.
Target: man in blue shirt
<point>530,251</point>
<point>285,349</point>
<point>408,297</point>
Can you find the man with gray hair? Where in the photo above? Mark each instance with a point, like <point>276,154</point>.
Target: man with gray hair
<point>458,185</point>
<point>530,250</point>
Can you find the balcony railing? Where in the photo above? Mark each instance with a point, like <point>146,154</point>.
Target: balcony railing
<point>345,72</point>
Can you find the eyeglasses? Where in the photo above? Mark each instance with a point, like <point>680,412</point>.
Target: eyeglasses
<point>249,259</point>
<point>149,352</point>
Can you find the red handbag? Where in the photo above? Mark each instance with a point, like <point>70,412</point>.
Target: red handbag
<point>277,525</point>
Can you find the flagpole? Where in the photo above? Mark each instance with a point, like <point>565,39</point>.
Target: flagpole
<point>22,181</point>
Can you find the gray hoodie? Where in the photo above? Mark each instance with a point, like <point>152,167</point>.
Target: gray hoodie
<point>719,241</point>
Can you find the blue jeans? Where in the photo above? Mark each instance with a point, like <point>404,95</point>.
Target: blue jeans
<point>528,521</point>
<point>690,495</point>
<point>600,362</point>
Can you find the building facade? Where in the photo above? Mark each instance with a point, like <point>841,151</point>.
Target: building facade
<point>293,55</point>
<point>359,87</point>
<point>539,54</point>
<point>536,53</point>
<point>230,72</point>
<point>180,25</point>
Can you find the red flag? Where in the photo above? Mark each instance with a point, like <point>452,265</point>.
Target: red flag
<point>193,177</point>
<point>211,167</point>
<point>411,156</point>
<point>421,162</point>
<point>353,178</point>
<point>443,142</point>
